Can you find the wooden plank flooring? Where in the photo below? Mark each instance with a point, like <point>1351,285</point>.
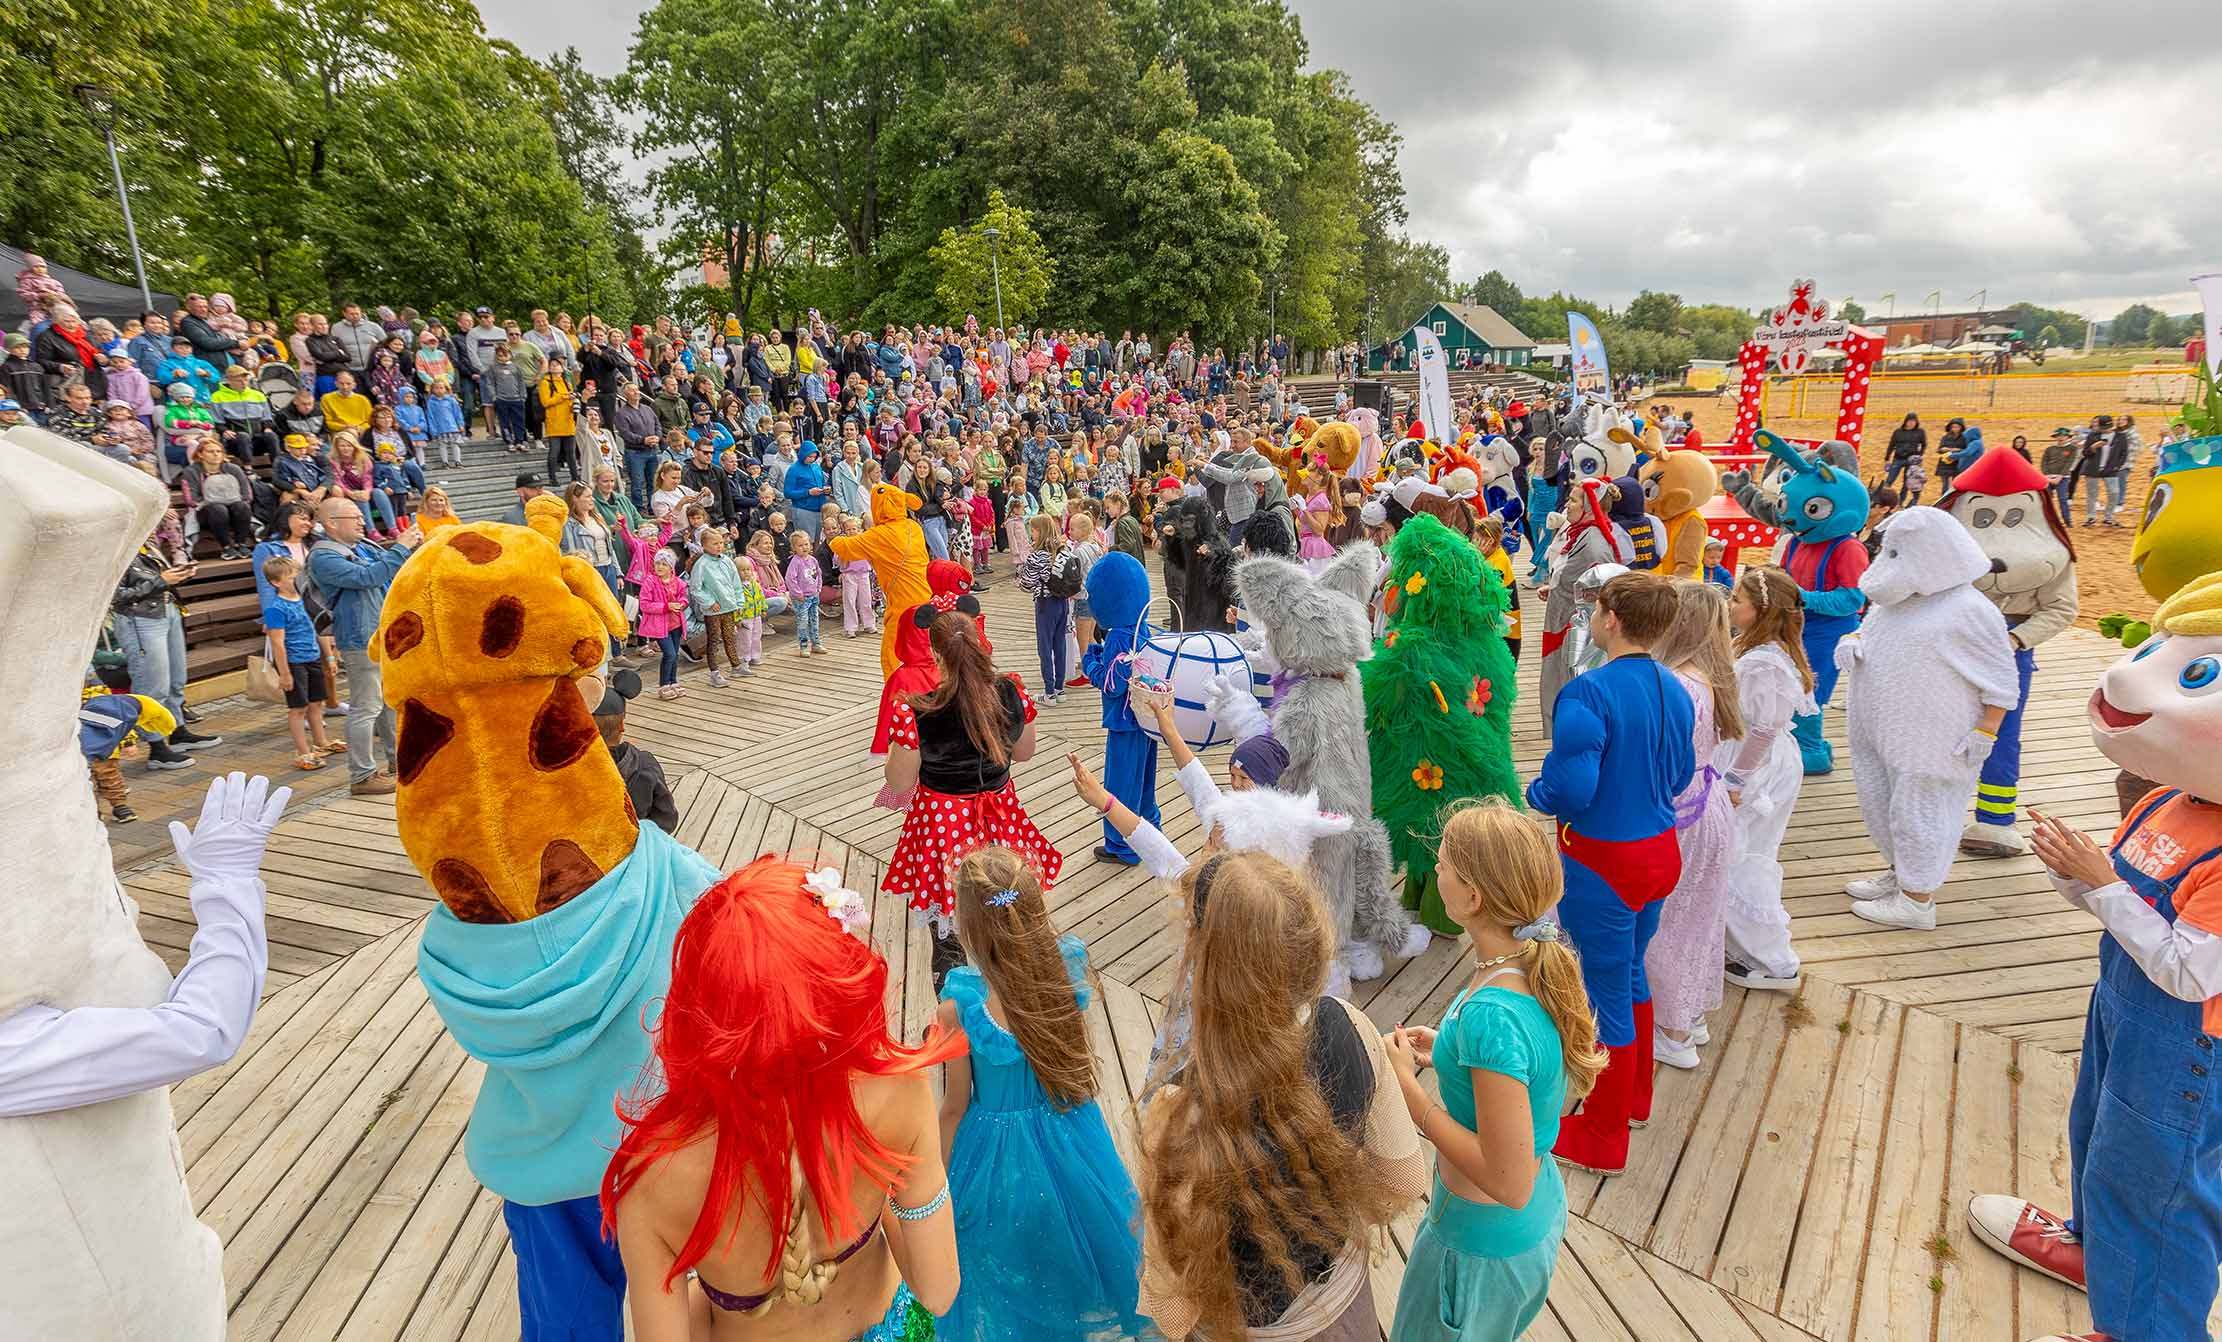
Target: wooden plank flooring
<point>1805,1181</point>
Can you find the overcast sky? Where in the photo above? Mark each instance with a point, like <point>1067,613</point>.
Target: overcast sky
<point>2053,150</point>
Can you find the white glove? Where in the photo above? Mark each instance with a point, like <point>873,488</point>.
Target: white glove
<point>1974,748</point>
<point>234,829</point>
<point>1235,704</point>
<point>1848,653</point>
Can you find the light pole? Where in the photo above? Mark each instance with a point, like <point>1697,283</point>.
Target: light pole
<point>100,109</point>
<point>995,267</point>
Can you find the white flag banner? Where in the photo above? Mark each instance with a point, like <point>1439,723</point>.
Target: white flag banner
<point>2210,295</point>
<point>1434,371</point>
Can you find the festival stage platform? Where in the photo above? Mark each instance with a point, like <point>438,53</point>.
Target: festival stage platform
<point>1806,1180</point>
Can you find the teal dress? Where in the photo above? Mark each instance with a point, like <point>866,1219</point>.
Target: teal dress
<point>1479,1272</point>
<point>1045,1210</point>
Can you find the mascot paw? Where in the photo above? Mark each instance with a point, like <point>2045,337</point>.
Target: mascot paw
<point>1235,704</point>
<point>1338,980</point>
<point>1416,939</point>
<point>1363,960</point>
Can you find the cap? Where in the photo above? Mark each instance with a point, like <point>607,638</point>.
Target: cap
<point>1169,482</point>
<point>299,440</point>
<point>483,312</point>
<point>8,406</point>
<point>1373,513</point>
<point>180,340</point>
<point>18,340</point>
<point>528,481</point>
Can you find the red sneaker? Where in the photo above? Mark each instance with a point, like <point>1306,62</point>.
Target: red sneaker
<point>1078,683</point>
<point>2028,1234</point>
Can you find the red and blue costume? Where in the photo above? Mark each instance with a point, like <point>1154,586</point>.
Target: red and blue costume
<point>1621,751</point>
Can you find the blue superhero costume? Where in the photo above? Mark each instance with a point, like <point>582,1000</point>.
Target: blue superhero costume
<point>1119,595</point>
<point>1822,507</point>
<point>1621,751</point>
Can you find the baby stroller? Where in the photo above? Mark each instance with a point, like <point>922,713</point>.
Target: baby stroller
<point>278,382</point>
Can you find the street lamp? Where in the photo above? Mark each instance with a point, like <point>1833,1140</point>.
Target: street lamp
<point>100,109</point>
<point>995,267</point>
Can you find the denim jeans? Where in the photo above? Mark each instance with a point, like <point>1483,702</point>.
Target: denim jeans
<point>640,467</point>
<point>511,414</point>
<point>2112,486</point>
<point>369,722</point>
<point>667,670</point>
<point>806,621</point>
<point>1050,618</point>
<point>154,650</point>
<point>937,536</point>
<point>616,583</point>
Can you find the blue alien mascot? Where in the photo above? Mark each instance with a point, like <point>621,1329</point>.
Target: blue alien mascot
<point>1823,508</point>
<point>1119,595</point>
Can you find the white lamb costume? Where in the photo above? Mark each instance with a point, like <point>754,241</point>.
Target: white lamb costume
<point>1931,654</point>
<point>98,1239</point>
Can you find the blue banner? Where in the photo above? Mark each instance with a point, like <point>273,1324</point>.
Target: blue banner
<point>1591,374</point>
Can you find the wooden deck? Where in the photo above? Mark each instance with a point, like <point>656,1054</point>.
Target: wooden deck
<point>1805,1181</point>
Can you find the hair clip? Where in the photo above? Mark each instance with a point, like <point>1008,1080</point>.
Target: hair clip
<point>1002,899</point>
<point>843,905</point>
<point>1542,929</point>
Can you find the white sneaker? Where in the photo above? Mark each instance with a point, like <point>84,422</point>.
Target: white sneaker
<point>1899,910</point>
<point>1674,1052</point>
<point>1701,1034</point>
<point>1749,976</point>
<point>1873,887</point>
<point>1981,840</point>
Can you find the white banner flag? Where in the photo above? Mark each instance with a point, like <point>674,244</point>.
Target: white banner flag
<point>2210,295</point>
<point>1434,370</point>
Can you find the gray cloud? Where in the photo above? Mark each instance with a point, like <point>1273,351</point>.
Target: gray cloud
<point>2051,150</point>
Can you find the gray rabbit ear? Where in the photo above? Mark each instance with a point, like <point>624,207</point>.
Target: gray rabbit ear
<point>1352,571</point>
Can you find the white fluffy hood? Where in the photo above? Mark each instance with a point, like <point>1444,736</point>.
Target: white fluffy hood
<point>1279,824</point>
<point>1924,552</point>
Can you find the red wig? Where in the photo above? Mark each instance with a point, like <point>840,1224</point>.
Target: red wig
<point>772,1009</point>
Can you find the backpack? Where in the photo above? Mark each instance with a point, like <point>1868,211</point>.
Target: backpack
<point>1066,578</point>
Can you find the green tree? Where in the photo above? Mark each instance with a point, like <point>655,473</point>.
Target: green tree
<point>1652,311</point>
<point>1203,238</point>
<point>1414,275</point>
<point>2130,325</point>
<point>969,266</point>
<point>1496,292</point>
<point>2162,332</point>
<point>583,113</point>
<point>2067,326</point>
<point>1852,312</point>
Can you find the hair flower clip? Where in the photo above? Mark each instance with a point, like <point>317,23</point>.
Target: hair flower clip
<point>843,905</point>
<point>1002,899</point>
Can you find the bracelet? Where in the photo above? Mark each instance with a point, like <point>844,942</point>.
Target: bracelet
<point>903,1213</point>
<point>1109,801</point>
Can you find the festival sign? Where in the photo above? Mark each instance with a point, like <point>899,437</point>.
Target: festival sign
<point>1434,370</point>
<point>1592,374</point>
<point>1795,332</point>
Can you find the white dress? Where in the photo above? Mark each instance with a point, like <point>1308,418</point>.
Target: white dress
<point>1766,769</point>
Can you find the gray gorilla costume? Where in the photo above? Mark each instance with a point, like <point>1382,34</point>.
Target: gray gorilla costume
<point>1318,635</point>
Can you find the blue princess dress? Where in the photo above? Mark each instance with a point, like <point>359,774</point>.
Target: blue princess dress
<point>1045,1210</point>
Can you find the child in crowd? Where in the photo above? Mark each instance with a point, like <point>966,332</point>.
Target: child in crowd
<point>123,436</point>
<point>1489,539</point>
<point>1762,773</point>
<point>507,384</point>
<point>184,419</point>
<point>294,654</point>
<point>409,415</point>
<point>300,475</point>
<point>714,584</point>
<point>663,618</point>
<point>1019,1116</point>
<point>1041,575</point>
<point>1087,548</point>
<point>983,525</point>
<point>857,615</point>
<point>1019,507</point>
<point>1513,1048</point>
<point>443,420</point>
<point>770,578</point>
<point>804,580</point>
<point>1620,755</point>
<point>1052,493</point>
<point>1716,572</point>
<point>643,773</point>
<point>1126,531</point>
<point>391,474</point>
<point>1683,961</point>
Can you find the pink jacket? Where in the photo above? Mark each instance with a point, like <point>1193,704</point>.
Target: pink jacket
<point>656,596</point>
<point>644,550</point>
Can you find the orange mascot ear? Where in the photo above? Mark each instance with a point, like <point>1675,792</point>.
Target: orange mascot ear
<point>587,586</point>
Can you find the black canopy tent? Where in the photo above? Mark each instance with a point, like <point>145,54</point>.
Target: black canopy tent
<point>94,296</point>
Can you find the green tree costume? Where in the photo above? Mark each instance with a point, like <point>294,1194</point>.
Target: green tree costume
<point>1438,699</point>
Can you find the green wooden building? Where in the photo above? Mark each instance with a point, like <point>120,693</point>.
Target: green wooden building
<point>1474,328</point>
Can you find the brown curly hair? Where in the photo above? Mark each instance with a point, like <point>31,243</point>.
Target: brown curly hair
<point>1244,1141</point>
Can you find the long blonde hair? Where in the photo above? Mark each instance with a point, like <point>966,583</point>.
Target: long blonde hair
<point>1504,858</point>
<point>1013,944</point>
<point>1244,1141</point>
<point>1701,642</point>
<point>1781,620</point>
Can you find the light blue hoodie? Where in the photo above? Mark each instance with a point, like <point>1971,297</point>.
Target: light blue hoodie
<point>554,1008</point>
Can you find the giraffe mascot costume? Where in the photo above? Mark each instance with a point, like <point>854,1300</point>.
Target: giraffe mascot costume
<point>557,906</point>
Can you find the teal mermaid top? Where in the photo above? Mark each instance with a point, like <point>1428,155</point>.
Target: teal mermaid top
<point>1498,1030</point>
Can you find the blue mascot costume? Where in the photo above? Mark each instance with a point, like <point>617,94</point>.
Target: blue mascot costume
<point>1119,595</point>
<point>1823,509</point>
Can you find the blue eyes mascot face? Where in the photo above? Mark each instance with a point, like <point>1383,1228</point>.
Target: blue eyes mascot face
<point>1823,508</point>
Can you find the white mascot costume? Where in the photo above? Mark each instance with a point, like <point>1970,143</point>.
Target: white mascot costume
<point>1928,661</point>
<point>98,1238</point>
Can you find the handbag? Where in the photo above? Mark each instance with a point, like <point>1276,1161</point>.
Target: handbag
<point>262,680</point>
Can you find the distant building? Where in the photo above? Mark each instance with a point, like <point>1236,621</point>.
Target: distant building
<point>1934,328</point>
<point>1472,329</point>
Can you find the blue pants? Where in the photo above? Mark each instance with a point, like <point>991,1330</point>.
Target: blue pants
<point>1997,795</point>
<point>511,416</point>
<point>1050,618</point>
<point>640,467</point>
<point>616,584</point>
<point>1130,773</point>
<point>667,670</point>
<point>570,1281</point>
<point>2145,1158</point>
<point>1611,939</point>
<point>326,384</point>
<point>1821,635</point>
<point>806,620</point>
<point>937,536</point>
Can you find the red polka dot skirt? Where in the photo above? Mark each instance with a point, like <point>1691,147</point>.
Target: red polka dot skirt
<point>941,829</point>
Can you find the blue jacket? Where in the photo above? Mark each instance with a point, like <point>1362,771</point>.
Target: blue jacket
<point>413,421</point>
<point>149,352</point>
<point>443,414</point>
<point>293,472</point>
<point>797,482</point>
<point>199,374</point>
<point>553,1007</point>
<point>1620,751</point>
<point>1118,590</point>
<point>353,581</point>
